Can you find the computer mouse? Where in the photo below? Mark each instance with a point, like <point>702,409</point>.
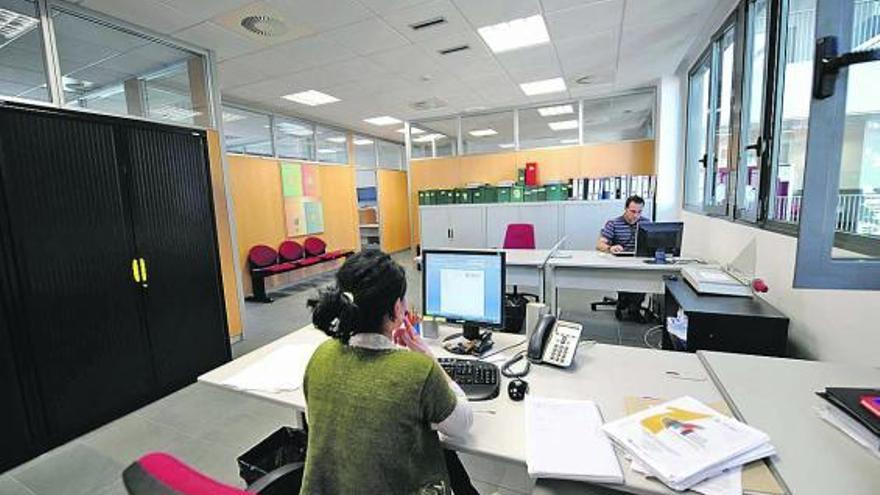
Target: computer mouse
<point>517,389</point>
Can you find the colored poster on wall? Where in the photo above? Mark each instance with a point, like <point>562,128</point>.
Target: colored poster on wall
<point>301,188</point>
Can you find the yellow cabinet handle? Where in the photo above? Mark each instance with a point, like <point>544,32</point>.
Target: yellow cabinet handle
<point>136,274</point>
<point>143,270</point>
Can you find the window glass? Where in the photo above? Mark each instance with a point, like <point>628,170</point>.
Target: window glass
<point>364,151</point>
<point>548,125</point>
<point>619,118</point>
<point>390,155</point>
<point>332,145</point>
<point>488,133</point>
<point>724,95</point>
<point>111,70</point>
<point>246,132</point>
<point>434,138</point>
<point>294,138</point>
<point>22,67</point>
<point>752,110</point>
<point>697,129</point>
<point>796,77</point>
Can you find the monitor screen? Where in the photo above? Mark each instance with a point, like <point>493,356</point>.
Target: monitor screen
<point>664,236</point>
<point>366,194</point>
<point>464,285</point>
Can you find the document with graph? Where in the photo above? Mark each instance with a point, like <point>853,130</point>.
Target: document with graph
<point>683,441</point>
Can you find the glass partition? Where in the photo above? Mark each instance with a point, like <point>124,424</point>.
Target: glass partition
<point>247,132</point>
<point>332,145</point>
<point>22,66</point>
<point>390,155</point>
<point>549,125</point>
<point>364,151</point>
<point>619,118</point>
<point>487,133</point>
<point>294,138</point>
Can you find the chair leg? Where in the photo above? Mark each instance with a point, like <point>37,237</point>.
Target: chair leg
<point>259,286</point>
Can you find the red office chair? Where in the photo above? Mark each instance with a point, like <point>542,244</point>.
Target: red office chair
<point>519,236</point>
<point>158,473</point>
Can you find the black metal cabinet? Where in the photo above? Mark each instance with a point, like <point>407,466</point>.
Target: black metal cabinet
<point>84,199</point>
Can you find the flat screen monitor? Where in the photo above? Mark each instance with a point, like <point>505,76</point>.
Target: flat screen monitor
<point>366,194</point>
<point>659,237</point>
<point>464,286</point>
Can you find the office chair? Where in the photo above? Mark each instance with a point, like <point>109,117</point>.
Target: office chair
<point>158,473</point>
<point>518,236</point>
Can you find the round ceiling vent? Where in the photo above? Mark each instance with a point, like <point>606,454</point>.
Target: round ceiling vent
<point>263,25</point>
<point>584,80</point>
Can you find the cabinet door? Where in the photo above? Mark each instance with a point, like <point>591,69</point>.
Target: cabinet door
<point>173,222</point>
<point>545,218</point>
<point>435,227</point>
<point>498,217</point>
<point>79,314</point>
<point>468,227</point>
<point>582,222</point>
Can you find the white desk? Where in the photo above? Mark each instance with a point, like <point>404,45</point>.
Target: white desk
<point>778,396</point>
<point>602,373</point>
<point>594,270</point>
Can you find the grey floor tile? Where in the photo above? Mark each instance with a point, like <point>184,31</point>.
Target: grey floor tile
<point>490,489</point>
<point>132,436</point>
<point>73,469</point>
<point>194,409</point>
<point>115,488</point>
<point>9,486</point>
<point>212,459</point>
<point>244,429</point>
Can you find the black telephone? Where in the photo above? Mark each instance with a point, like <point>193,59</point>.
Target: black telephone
<point>554,342</point>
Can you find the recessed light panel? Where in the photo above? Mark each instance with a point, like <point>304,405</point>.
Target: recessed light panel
<point>13,24</point>
<point>336,139</point>
<point>515,34</point>
<point>362,142</point>
<point>568,141</point>
<point>427,138</point>
<point>412,130</point>
<point>506,145</point>
<point>383,120</point>
<point>557,110</point>
<point>483,132</point>
<point>564,125</point>
<point>543,87</point>
<point>311,98</point>
<point>326,151</point>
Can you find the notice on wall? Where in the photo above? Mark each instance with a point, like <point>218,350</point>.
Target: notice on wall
<point>303,209</point>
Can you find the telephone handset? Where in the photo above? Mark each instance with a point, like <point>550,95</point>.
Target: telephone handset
<point>554,341</point>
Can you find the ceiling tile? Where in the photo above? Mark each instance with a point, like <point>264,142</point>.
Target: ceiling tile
<point>301,54</point>
<point>226,43</point>
<point>205,9</point>
<point>369,36</point>
<point>321,15</point>
<point>531,64</point>
<point>584,20</point>
<point>410,59</point>
<point>387,6</point>
<point>486,12</point>
<point>151,14</point>
<point>650,11</point>
<point>402,19</point>
<point>554,5</point>
<point>578,59</point>
<point>239,71</point>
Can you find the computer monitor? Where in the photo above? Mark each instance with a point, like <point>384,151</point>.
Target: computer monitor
<point>465,286</point>
<point>366,194</point>
<point>659,240</point>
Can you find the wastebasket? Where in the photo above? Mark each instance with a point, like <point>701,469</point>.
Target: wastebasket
<point>285,446</point>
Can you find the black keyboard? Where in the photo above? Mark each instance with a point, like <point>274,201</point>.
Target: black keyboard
<point>477,379</point>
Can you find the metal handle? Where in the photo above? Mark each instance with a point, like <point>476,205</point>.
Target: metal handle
<point>135,271</point>
<point>757,147</point>
<point>827,65</point>
<point>143,264</point>
<point>704,160</point>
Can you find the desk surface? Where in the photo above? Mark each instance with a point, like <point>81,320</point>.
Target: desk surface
<point>598,259</point>
<point>515,257</point>
<point>606,374</point>
<point>690,301</point>
<point>778,396</point>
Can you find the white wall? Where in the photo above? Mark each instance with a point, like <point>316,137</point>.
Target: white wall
<point>668,138</point>
<point>829,325</point>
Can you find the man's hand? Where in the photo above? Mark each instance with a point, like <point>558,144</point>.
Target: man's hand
<point>617,248</point>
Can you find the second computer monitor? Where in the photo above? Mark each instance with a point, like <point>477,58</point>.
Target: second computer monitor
<point>662,238</point>
<point>464,286</point>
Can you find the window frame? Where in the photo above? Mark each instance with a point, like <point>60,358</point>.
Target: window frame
<point>705,59</point>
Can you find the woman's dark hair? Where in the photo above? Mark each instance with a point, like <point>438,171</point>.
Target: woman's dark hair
<point>367,286</point>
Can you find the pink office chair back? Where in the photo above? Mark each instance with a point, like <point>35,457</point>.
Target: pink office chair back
<point>519,236</point>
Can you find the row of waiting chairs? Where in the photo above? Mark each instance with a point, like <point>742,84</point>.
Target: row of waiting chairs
<point>264,261</point>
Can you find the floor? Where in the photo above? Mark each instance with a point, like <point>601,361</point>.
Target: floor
<point>209,428</point>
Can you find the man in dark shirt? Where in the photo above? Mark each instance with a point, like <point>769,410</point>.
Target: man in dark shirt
<point>618,236</point>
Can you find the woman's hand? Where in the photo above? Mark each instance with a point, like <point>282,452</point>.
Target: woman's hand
<point>406,336</point>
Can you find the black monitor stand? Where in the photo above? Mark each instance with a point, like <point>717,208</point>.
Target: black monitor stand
<point>470,341</point>
<point>660,258</point>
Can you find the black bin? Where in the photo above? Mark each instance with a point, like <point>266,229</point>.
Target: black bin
<point>285,446</point>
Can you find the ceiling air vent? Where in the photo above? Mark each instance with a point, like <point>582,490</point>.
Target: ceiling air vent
<point>429,104</point>
<point>436,21</point>
<point>454,49</point>
<point>264,25</point>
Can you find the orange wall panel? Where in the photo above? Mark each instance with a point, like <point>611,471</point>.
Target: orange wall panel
<point>339,197</point>
<point>489,168</point>
<point>224,237</point>
<point>625,158</point>
<point>553,163</point>
<point>394,231</point>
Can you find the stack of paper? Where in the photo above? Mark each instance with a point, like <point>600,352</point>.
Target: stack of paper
<point>280,371</point>
<point>564,440</point>
<point>683,442</point>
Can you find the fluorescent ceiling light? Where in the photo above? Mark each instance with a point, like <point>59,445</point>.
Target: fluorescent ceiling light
<point>311,98</point>
<point>544,86</point>
<point>557,110</point>
<point>427,138</point>
<point>568,141</point>
<point>564,125</point>
<point>505,145</point>
<point>412,130</point>
<point>13,24</point>
<point>326,151</point>
<point>515,34</point>
<point>483,132</point>
<point>294,129</point>
<point>362,142</point>
<point>336,139</point>
<point>383,120</point>
<point>232,117</point>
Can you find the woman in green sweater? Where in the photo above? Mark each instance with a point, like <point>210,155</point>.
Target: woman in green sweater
<point>374,408</point>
